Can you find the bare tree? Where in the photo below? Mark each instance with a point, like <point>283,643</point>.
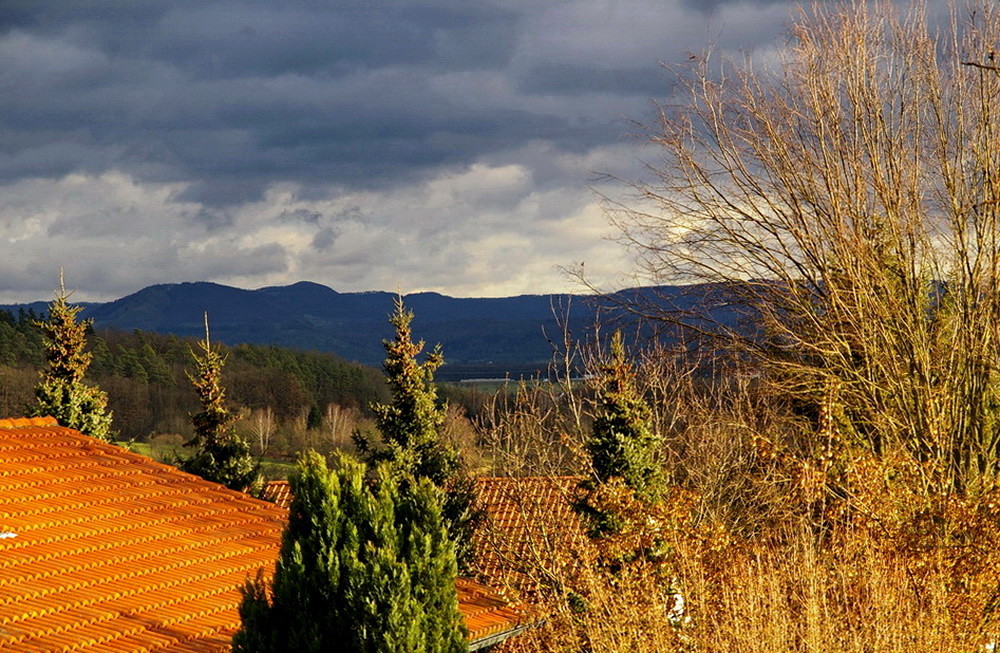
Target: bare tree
<point>339,423</point>
<point>263,427</point>
<point>849,196</point>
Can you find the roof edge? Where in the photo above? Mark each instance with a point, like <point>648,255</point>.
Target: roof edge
<point>492,640</point>
<point>21,422</point>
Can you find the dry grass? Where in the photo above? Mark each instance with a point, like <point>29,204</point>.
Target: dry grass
<point>798,598</point>
<point>841,494</point>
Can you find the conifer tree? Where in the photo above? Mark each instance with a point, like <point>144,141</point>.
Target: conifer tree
<point>221,456</point>
<point>410,428</point>
<point>364,567</point>
<point>622,450</point>
<point>623,443</point>
<point>61,392</point>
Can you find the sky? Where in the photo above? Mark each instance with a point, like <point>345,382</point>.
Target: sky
<point>453,146</point>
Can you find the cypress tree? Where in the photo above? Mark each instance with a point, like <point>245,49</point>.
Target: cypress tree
<point>410,429</point>
<point>221,455</point>
<point>61,392</point>
<point>364,567</point>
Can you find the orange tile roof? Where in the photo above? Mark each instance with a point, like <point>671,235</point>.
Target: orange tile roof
<point>487,615</point>
<point>278,492</point>
<point>102,549</point>
<point>529,530</point>
<point>106,550</point>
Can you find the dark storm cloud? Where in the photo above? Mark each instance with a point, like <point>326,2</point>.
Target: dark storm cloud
<point>328,40</point>
<point>324,239</point>
<point>575,79</point>
<point>234,95</point>
<point>430,144</point>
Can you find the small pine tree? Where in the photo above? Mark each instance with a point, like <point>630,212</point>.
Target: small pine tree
<point>221,456</point>
<point>410,429</point>
<point>364,567</point>
<point>61,392</point>
<point>410,426</point>
<point>623,445</point>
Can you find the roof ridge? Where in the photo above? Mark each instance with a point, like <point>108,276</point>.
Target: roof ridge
<point>22,422</point>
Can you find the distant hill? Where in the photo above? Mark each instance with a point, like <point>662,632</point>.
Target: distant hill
<point>480,336</point>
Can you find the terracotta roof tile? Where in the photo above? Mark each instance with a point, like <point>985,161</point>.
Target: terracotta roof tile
<point>529,525</point>
<point>114,552</point>
<point>102,549</point>
<point>485,612</point>
<point>278,492</point>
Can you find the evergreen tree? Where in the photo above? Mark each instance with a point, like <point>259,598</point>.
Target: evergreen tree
<point>410,428</point>
<point>222,456</point>
<point>61,392</point>
<point>623,443</point>
<point>622,450</point>
<point>364,567</point>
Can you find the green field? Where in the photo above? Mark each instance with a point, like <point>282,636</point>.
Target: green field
<point>168,453</point>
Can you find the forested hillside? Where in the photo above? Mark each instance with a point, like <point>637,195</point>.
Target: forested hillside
<point>144,376</point>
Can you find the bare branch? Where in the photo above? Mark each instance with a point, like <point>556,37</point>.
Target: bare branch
<point>980,65</point>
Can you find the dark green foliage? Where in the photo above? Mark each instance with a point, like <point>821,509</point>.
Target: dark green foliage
<point>21,340</point>
<point>364,567</point>
<point>143,375</point>
<point>61,392</point>
<point>461,516</point>
<point>410,425</point>
<point>226,461</point>
<point>314,419</point>
<point>410,429</point>
<point>78,406</point>
<point>221,456</point>
<point>623,443</point>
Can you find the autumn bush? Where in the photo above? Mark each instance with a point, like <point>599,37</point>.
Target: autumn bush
<point>775,533</point>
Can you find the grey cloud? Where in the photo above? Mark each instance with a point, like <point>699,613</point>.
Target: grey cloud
<point>710,6</point>
<point>349,214</point>
<point>23,281</point>
<point>442,143</point>
<point>575,79</point>
<point>222,191</point>
<point>225,260</point>
<point>213,219</point>
<point>324,239</point>
<point>237,95</point>
<point>300,215</point>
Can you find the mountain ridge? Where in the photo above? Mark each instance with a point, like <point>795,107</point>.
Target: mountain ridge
<point>478,334</point>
